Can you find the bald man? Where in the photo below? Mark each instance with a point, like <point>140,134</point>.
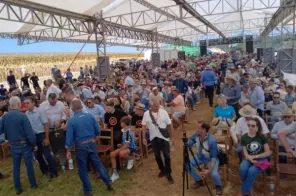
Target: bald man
<point>83,130</point>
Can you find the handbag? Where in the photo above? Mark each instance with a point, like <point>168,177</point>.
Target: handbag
<point>164,132</point>
<point>221,154</point>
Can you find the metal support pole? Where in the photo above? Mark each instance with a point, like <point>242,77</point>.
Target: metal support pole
<point>293,40</point>
<point>282,35</point>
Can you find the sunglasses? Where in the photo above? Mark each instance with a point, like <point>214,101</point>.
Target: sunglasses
<point>276,97</point>
<point>253,126</point>
<point>287,116</point>
<point>88,102</point>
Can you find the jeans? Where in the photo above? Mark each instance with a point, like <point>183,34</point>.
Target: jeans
<point>214,174</point>
<point>248,172</point>
<point>44,151</point>
<point>159,145</point>
<point>191,101</point>
<point>83,152</point>
<point>210,93</point>
<point>18,151</point>
<point>260,113</point>
<point>240,152</point>
<point>197,96</point>
<point>272,119</point>
<point>282,159</point>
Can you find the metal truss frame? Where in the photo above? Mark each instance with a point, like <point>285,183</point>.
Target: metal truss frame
<point>189,9</point>
<point>285,10</point>
<point>73,24</point>
<point>28,39</point>
<point>169,15</point>
<point>215,7</point>
<point>224,26</point>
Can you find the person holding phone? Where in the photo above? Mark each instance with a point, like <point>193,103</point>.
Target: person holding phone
<point>40,125</point>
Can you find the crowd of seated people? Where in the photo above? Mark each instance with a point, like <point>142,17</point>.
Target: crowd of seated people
<point>249,94</point>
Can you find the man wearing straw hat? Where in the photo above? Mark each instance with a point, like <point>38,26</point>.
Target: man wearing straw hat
<point>256,96</point>
<point>232,92</point>
<point>208,81</point>
<point>287,119</point>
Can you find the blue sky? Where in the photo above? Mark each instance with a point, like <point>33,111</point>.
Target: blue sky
<point>10,46</point>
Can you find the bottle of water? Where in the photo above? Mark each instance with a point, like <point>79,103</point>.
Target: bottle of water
<point>271,188</point>
<point>63,168</point>
<point>71,166</point>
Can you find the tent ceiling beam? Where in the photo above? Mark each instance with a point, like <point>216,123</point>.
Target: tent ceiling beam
<point>170,16</point>
<point>231,26</point>
<point>284,11</point>
<point>186,6</point>
<point>50,17</point>
<point>25,39</point>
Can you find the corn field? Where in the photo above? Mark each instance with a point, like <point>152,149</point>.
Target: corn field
<point>42,63</point>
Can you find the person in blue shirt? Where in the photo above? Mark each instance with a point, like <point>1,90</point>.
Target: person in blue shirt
<point>290,96</point>
<point>125,149</point>
<point>19,133</point>
<point>223,110</point>
<point>40,125</point>
<point>83,130</point>
<point>69,75</point>
<point>96,110</point>
<point>208,79</point>
<point>180,83</point>
<point>207,154</point>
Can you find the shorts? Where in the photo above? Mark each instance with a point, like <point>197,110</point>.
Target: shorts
<point>178,114</point>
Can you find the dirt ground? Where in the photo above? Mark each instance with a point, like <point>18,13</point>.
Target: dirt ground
<point>147,183</point>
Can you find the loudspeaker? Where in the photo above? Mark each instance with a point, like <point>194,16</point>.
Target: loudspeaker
<point>259,53</point>
<point>155,57</point>
<point>181,55</point>
<point>203,47</point>
<point>249,44</point>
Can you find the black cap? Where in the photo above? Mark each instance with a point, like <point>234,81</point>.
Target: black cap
<point>110,104</point>
<point>2,98</point>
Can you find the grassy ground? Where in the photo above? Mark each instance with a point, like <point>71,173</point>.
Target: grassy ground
<point>67,184</point>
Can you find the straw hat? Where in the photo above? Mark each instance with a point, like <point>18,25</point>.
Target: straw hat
<point>247,111</point>
<point>139,106</point>
<point>272,75</point>
<point>174,88</point>
<point>231,76</point>
<point>208,67</point>
<point>288,112</point>
<point>254,81</point>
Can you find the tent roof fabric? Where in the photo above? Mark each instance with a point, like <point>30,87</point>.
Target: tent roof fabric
<point>231,17</point>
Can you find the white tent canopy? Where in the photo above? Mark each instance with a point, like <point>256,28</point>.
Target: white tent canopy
<point>230,17</point>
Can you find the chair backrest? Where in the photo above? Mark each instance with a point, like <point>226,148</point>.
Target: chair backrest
<point>106,135</point>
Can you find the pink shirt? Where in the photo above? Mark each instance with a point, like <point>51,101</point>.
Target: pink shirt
<point>179,104</point>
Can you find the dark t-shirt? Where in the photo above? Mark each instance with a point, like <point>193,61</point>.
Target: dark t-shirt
<point>254,145</point>
<point>25,80</point>
<point>35,80</point>
<point>113,121</point>
<point>3,91</point>
<point>11,79</point>
<point>137,121</point>
<point>2,110</point>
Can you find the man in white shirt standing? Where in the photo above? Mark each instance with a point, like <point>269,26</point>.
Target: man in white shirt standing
<point>55,113</point>
<point>51,88</point>
<point>160,128</point>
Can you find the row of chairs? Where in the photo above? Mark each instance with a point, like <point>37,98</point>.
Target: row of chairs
<point>106,146</point>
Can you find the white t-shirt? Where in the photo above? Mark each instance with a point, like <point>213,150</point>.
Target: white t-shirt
<point>53,89</point>
<point>162,119</point>
<point>242,128</point>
